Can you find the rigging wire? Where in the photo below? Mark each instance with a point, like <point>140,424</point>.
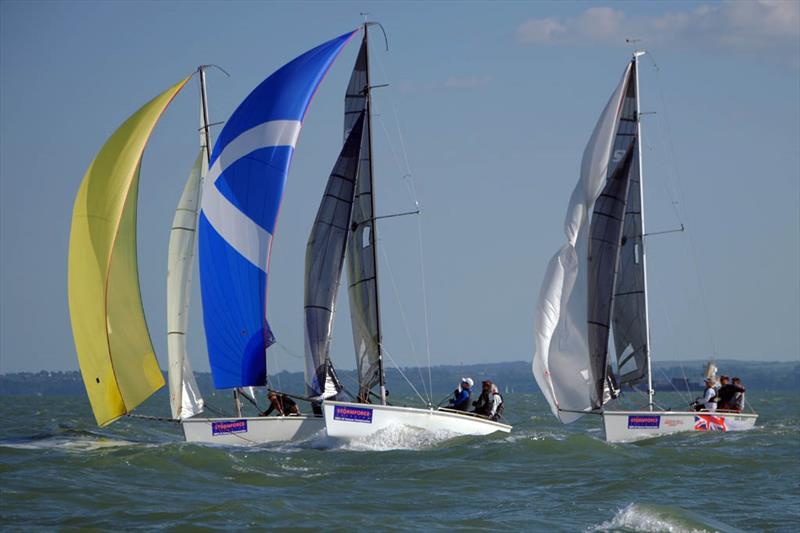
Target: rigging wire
<point>391,359</point>
<point>405,321</point>
<point>409,180</point>
<point>665,132</point>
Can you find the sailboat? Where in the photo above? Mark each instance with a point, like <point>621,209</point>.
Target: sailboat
<point>596,285</point>
<point>354,201</point>
<point>241,182</point>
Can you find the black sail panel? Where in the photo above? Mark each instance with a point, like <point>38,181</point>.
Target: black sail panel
<point>604,244</point>
<point>325,253</point>
<point>361,257</point>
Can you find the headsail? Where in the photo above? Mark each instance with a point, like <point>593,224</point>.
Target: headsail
<point>324,261</point>
<point>241,197</point>
<point>115,353</point>
<point>561,360</point>
<point>184,395</point>
<point>361,257</point>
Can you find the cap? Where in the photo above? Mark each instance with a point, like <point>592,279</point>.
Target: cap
<point>468,381</point>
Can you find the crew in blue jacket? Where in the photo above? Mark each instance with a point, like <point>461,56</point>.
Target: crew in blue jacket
<point>460,401</point>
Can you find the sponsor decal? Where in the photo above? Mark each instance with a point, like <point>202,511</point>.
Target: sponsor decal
<point>644,421</point>
<point>352,414</point>
<point>709,423</point>
<point>228,426</point>
<point>672,422</point>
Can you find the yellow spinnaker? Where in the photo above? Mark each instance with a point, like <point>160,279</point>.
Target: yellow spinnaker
<point>115,353</point>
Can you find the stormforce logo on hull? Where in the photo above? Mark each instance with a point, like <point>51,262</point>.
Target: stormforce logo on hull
<point>644,422</point>
<point>234,426</point>
<point>352,414</point>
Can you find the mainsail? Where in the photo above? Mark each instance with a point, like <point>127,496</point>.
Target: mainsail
<point>605,234</point>
<point>630,320</point>
<point>116,355</point>
<point>362,270</point>
<point>561,362</point>
<point>184,395</point>
<point>324,261</point>
<point>241,198</point>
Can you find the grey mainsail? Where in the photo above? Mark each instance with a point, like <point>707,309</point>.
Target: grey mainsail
<point>324,261</point>
<point>630,320</point>
<point>362,268</point>
<point>604,245</point>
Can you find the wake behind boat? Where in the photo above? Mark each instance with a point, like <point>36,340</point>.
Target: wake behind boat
<point>597,284</point>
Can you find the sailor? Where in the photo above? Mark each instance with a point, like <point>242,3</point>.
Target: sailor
<point>281,403</point>
<point>483,405</point>
<point>708,401</point>
<point>729,394</point>
<point>496,412</point>
<point>460,399</point>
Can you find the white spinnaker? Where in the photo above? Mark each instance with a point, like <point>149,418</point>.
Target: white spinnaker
<point>184,395</point>
<point>561,357</point>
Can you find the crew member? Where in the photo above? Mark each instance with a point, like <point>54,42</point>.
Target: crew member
<point>729,395</point>
<point>281,403</point>
<point>708,401</point>
<point>483,406</point>
<point>460,400</point>
<point>496,411</point>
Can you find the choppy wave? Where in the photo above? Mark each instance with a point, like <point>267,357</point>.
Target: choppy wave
<point>391,437</point>
<point>654,519</point>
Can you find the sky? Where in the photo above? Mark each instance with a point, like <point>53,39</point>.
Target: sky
<point>488,109</point>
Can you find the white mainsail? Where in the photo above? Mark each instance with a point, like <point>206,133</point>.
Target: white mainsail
<point>561,363</point>
<point>184,395</point>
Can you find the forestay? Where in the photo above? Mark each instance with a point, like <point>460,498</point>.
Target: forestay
<point>115,353</point>
<point>184,395</point>
<point>324,262</point>
<point>241,198</point>
<point>361,256</point>
<point>561,360</point>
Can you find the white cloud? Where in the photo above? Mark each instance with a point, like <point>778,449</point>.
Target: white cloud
<point>740,25</point>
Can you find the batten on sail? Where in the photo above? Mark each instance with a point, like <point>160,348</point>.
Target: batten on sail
<point>184,394</point>
<point>241,198</point>
<point>115,353</point>
<point>324,262</point>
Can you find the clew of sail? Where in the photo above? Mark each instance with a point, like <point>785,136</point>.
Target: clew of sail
<point>361,256</point>
<point>241,198</point>
<point>324,261</point>
<point>113,344</point>
<point>184,394</point>
<point>561,363</point>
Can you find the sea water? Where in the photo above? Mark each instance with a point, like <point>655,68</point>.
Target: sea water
<point>58,470</point>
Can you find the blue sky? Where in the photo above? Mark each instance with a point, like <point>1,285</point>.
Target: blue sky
<point>494,103</point>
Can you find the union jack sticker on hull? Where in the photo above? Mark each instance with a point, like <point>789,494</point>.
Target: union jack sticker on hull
<point>709,423</point>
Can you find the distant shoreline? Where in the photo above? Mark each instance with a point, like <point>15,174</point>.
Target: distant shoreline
<point>512,376</point>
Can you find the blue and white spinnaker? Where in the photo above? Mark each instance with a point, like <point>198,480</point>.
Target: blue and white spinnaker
<point>241,198</point>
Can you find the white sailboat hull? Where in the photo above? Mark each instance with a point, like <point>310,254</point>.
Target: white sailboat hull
<point>347,420</point>
<point>251,430</point>
<point>629,426</point>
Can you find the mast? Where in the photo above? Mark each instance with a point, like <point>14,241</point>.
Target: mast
<point>205,137</point>
<point>372,236</point>
<point>650,391</point>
